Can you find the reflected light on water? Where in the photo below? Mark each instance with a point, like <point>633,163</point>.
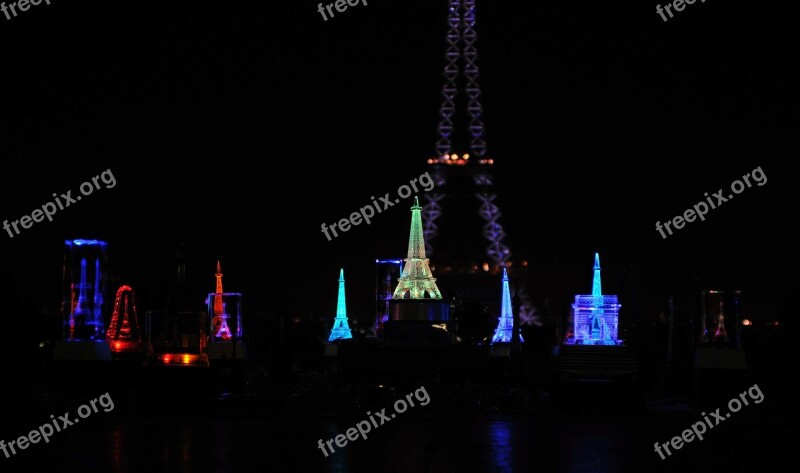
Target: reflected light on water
<point>500,445</point>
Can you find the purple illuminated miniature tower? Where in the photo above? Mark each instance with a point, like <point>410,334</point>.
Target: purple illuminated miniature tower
<point>595,317</point>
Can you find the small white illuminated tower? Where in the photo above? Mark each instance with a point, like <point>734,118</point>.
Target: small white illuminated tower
<point>341,329</point>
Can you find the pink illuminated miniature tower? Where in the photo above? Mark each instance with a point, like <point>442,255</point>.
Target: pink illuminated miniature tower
<point>219,323</point>
<point>720,335</point>
<point>225,341</point>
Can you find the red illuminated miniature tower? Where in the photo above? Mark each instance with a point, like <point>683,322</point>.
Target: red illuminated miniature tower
<point>123,332</point>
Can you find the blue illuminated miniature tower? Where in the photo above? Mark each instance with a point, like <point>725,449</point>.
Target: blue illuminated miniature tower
<point>341,329</point>
<point>85,275</point>
<point>505,326</point>
<point>595,317</point>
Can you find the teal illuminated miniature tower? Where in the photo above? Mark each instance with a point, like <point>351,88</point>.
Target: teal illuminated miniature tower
<point>505,326</point>
<point>417,281</point>
<point>341,329</point>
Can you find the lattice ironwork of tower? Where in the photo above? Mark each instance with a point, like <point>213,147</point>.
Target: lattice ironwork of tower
<point>455,174</point>
<point>416,281</point>
<point>341,327</point>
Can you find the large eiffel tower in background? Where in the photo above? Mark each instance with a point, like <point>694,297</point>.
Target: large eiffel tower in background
<point>466,265</point>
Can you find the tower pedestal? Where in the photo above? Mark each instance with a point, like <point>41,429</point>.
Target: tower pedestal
<point>227,351</point>
<point>418,323</point>
<point>421,310</point>
<point>82,351</point>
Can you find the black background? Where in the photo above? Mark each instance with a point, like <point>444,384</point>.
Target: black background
<point>238,128</point>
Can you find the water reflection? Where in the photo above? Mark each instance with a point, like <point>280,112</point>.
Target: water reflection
<point>118,450</point>
<point>428,445</point>
<point>500,443</point>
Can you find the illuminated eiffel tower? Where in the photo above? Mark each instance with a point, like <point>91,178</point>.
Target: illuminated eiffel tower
<point>341,329</point>
<point>456,176</point>
<point>219,323</point>
<point>720,335</point>
<point>417,281</point>
<point>123,330</point>
<point>505,325</point>
<point>82,306</point>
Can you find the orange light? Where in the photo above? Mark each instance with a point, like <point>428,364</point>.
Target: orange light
<point>746,322</point>
<point>486,266</point>
<point>187,359</point>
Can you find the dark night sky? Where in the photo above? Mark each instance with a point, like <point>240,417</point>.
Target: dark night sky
<point>239,128</point>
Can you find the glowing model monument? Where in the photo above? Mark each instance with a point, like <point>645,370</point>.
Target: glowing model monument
<point>225,310</point>
<point>341,329</point>
<point>416,282</point>
<point>720,335</point>
<point>505,327</point>
<point>82,314</point>
<point>123,331</point>
<point>85,275</point>
<point>219,323</point>
<point>418,315</point>
<point>595,317</point>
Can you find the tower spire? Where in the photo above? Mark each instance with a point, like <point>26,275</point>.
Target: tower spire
<point>505,324</point>
<point>417,281</point>
<point>597,288</point>
<point>341,329</point>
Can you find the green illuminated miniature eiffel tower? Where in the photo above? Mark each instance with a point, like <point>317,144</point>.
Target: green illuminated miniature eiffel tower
<point>416,282</point>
